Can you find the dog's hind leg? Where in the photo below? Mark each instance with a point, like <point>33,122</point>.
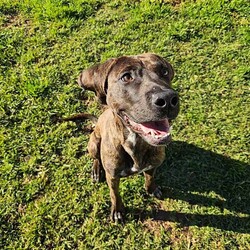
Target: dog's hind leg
<point>98,174</point>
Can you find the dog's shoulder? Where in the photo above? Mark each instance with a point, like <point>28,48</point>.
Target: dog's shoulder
<point>110,123</point>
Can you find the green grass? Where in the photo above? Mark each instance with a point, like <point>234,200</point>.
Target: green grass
<point>47,199</point>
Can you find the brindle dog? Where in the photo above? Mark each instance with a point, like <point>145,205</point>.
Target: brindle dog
<point>131,134</point>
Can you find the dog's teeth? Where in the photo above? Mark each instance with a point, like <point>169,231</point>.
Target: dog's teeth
<point>152,134</point>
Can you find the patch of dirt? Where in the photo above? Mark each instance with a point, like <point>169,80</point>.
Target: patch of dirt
<point>15,20</point>
<point>174,3</point>
<point>155,226</point>
<point>168,222</point>
<point>176,234</point>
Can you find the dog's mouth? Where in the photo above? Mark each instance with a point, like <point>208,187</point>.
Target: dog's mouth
<point>154,132</point>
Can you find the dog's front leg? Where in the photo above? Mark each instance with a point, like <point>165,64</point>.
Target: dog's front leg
<point>117,209</point>
<point>150,185</point>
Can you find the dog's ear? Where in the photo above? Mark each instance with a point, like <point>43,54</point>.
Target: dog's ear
<point>96,79</point>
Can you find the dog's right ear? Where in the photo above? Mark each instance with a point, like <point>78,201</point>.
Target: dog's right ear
<point>96,79</point>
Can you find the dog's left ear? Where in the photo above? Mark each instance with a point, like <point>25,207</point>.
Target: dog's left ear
<point>96,79</point>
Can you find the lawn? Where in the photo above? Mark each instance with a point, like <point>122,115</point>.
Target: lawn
<point>47,198</point>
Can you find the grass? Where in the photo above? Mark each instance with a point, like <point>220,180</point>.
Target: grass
<point>47,199</point>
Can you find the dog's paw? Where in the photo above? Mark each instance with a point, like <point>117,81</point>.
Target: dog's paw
<point>117,216</point>
<point>157,193</point>
<point>98,176</point>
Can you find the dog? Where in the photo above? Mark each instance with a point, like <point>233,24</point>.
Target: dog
<point>131,134</point>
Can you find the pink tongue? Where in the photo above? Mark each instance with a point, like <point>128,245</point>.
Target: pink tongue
<point>159,127</point>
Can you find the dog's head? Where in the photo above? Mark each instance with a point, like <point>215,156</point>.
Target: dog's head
<point>138,89</point>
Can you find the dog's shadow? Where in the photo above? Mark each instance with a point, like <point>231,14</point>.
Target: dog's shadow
<point>206,181</point>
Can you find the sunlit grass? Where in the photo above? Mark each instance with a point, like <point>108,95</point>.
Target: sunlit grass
<point>47,198</point>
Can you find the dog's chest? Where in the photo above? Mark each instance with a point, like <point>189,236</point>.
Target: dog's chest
<point>140,154</point>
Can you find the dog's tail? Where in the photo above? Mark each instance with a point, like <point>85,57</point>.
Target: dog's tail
<point>79,117</point>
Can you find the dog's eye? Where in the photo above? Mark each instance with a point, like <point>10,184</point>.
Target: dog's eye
<point>165,72</point>
<point>127,77</point>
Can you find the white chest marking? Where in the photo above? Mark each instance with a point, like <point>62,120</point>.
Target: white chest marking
<point>131,138</point>
<point>136,170</point>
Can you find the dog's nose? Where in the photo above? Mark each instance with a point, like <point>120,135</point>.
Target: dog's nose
<point>165,99</point>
